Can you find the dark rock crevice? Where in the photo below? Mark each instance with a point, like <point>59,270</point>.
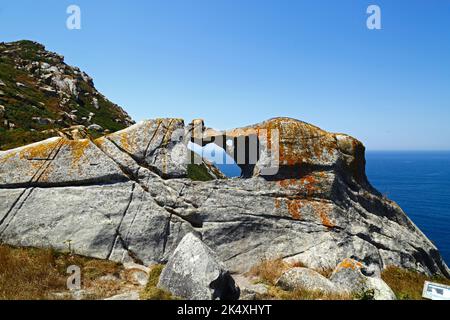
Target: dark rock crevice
<point>119,226</point>
<point>6,215</point>
<point>15,208</point>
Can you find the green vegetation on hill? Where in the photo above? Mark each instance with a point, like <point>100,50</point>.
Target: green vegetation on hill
<point>40,94</point>
<point>10,139</point>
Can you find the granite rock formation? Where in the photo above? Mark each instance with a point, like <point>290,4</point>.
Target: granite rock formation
<point>127,196</point>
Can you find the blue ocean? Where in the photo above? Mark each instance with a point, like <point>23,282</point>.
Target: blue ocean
<point>420,183</point>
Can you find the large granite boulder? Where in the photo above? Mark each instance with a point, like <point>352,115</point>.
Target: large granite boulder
<point>193,272</point>
<point>127,197</point>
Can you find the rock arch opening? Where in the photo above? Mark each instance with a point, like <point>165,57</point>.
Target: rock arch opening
<point>255,150</point>
<point>216,155</point>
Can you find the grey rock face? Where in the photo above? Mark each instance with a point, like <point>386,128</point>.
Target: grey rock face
<point>307,279</point>
<point>194,272</point>
<point>58,162</point>
<point>125,197</point>
<point>349,277</point>
<point>156,144</point>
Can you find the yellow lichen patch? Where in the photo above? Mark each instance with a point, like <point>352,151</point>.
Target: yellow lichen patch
<point>124,141</point>
<point>77,148</point>
<point>34,154</point>
<point>39,151</point>
<point>99,142</point>
<point>350,264</point>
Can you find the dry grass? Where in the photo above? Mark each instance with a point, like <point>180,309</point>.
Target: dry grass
<point>408,284</point>
<point>28,274</point>
<point>268,271</point>
<point>276,293</point>
<point>103,289</point>
<point>38,274</point>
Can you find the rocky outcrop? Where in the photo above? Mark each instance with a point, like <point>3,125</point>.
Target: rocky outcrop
<point>128,196</point>
<point>193,272</point>
<point>41,95</point>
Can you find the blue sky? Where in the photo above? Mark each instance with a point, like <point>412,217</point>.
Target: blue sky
<point>235,63</point>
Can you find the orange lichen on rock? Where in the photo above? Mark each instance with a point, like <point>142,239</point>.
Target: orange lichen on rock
<point>294,207</point>
<point>349,264</point>
<point>297,142</point>
<point>326,220</point>
<point>309,183</point>
<point>286,183</point>
<point>322,210</point>
<point>277,203</point>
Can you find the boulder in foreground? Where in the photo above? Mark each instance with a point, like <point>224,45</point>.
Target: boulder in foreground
<point>193,272</point>
<point>306,279</point>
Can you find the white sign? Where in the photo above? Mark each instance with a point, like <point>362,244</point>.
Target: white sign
<point>436,291</point>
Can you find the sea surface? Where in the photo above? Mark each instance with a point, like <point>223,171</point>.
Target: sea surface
<point>420,183</point>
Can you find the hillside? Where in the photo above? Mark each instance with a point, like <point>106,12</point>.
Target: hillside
<point>40,96</point>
